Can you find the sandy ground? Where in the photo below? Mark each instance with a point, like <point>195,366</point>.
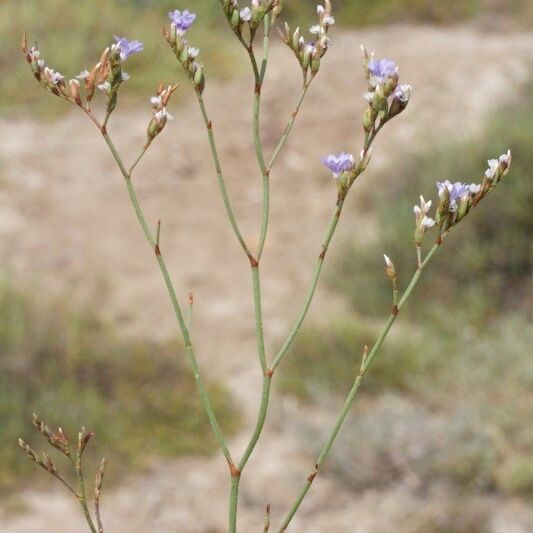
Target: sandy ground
<point>66,223</point>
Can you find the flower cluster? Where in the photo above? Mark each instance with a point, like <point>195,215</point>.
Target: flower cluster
<point>107,75</point>
<point>251,16</point>
<point>457,199</point>
<point>385,96</point>
<point>309,53</point>
<point>180,22</point>
<point>50,79</point>
<point>161,115</point>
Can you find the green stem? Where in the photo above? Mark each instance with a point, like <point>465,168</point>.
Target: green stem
<point>256,281</point>
<point>259,75</point>
<point>82,497</point>
<point>288,128</point>
<point>267,382</point>
<point>206,403</point>
<point>220,176</point>
<point>234,497</point>
<point>353,392</point>
<point>314,283</point>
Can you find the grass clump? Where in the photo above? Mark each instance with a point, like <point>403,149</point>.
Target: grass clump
<point>72,368</point>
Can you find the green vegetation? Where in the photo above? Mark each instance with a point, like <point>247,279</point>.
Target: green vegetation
<point>71,368</point>
<point>460,352</point>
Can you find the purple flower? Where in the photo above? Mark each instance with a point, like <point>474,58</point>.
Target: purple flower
<point>182,20</point>
<point>339,163</point>
<point>128,48</point>
<point>457,192</point>
<point>381,70</point>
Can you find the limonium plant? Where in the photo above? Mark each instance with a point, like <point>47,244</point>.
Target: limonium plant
<point>385,99</point>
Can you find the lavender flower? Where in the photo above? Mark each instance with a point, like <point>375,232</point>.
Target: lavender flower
<point>339,163</point>
<point>457,192</point>
<point>128,48</point>
<point>181,20</point>
<point>381,70</point>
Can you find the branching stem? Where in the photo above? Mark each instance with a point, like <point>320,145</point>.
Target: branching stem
<point>367,362</point>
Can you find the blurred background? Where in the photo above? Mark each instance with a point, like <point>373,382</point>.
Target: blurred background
<point>441,438</point>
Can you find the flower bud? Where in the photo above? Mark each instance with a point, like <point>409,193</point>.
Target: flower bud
<point>235,19</point>
<point>199,78</point>
<point>75,90</point>
<point>315,65</point>
<point>390,269</point>
<point>369,118</point>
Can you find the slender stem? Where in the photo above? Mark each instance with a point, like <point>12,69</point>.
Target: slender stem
<point>82,497</point>
<point>288,128</point>
<point>220,176</point>
<point>367,361</point>
<point>204,397</point>
<point>58,476</point>
<point>256,281</point>
<point>97,493</point>
<point>267,26</point>
<point>234,497</point>
<point>314,283</point>
<point>267,382</point>
<point>259,78</point>
<point>139,157</point>
<point>189,311</point>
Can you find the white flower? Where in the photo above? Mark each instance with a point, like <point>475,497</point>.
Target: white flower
<point>193,52</point>
<point>83,75</point>
<point>163,115</point>
<point>328,20</point>
<point>104,87</point>
<point>427,222</point>
<point>494,165</point>
<point>125,76</point>
<point>403,92</point>
<point>246,14</point>
<point>316,29</point>
<point>155,101</point>
<point>474,188</point>
<point>34,52</point>
<point>53,76</point>
<point>506,158</point>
